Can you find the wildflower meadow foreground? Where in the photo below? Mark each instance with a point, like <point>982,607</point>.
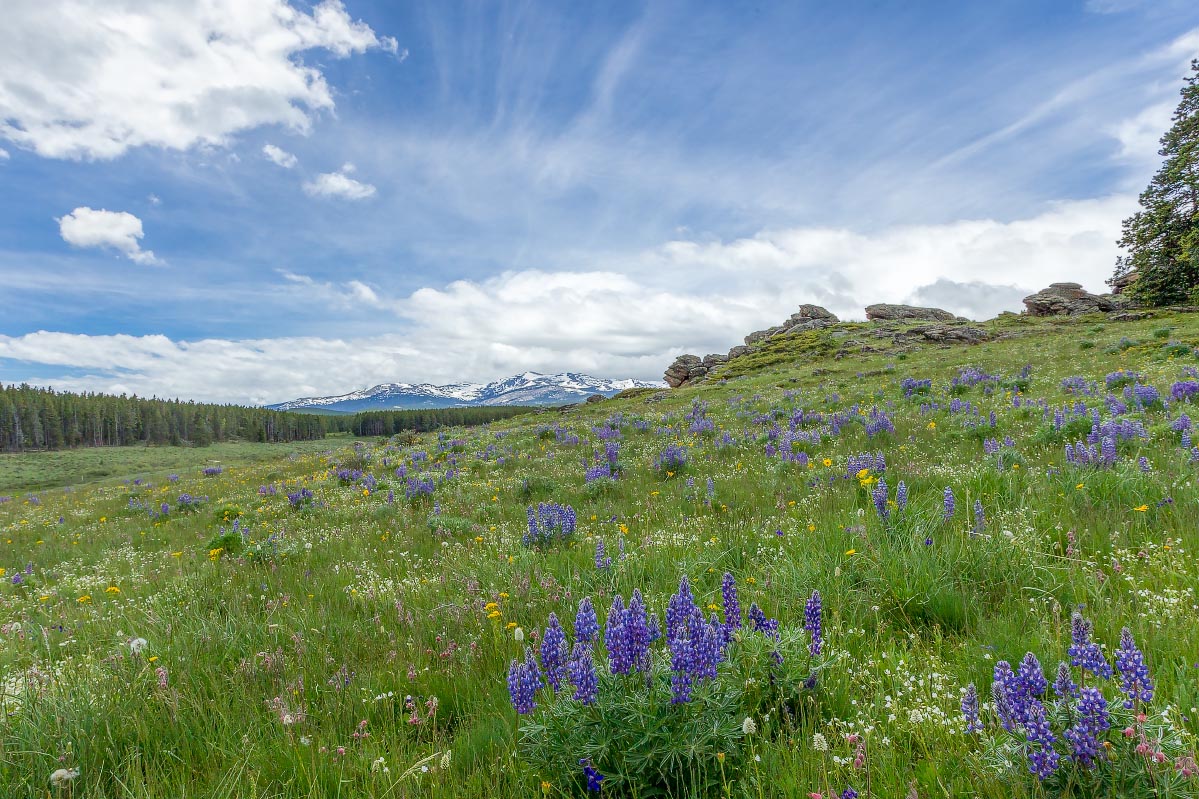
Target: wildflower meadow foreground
<point>833,570</point>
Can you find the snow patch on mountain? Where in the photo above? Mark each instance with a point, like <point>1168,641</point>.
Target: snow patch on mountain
<point>530,388</point>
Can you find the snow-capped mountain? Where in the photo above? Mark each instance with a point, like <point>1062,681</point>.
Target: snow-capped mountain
<point>530,388</point>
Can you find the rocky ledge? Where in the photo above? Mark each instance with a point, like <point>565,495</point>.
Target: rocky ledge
<point>1068,299</point>
<point>691,367</point>
<point>907,313</point>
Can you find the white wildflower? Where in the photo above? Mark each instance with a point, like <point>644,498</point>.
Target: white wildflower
<point>138,645</point>
<point>748,727</point>
<point>819,743</point>
<point>519,634</point>
<point>60,778</point>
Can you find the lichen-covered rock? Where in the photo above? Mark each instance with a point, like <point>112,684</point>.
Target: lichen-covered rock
<point>1066,299</point>
<point>902,313</point>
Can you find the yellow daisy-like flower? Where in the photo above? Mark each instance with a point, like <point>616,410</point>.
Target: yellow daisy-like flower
<point>112,589</point>
<point>932,425</point>
<point>851,552</point>
<point>1141,508</point>
<point>84,599</point>
<point>828,461</point>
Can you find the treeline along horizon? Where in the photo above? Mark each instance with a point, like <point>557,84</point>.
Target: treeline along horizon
<point>35,418</point>
<point>422,420</point>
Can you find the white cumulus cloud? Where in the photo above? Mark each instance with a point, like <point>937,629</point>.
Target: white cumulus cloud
<point>339,184</point>
<point>117,230</point>
<point>279,156</point>
<point>92,78</point>
<point>618,316</point>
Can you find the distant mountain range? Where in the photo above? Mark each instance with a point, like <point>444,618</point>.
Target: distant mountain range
<point>530,388</point>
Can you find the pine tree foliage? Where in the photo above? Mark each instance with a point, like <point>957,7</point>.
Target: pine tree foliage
<point>42,419</point>
<point>34,418</point>
<point>1162,239</point>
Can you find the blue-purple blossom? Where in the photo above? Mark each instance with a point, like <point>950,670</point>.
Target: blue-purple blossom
<point>594,778</point>
<point>1134,674</point>
<point>732,605</point>
<point>759,622</point>
<point>970,709</point>
<point>901,496</point>
<point>1064,686</point>
<point>950,504</point>
<point>879,497</point>
<point>524,680</point>
<point>1043,759</point>
<point>980,518</point>
<point>549,521</point>
<point>1084,653</point>
<point>813,622</point>
<point>586,623</point>
<point>602,561</point>
<point>554,653</point>
<point>671,459</point>
<point>1092,723</point>
<point>581,672</point>
<point>620,654</point>
<point>1184,391</point>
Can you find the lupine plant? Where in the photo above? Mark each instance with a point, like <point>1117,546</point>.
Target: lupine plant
<point>1093,732</point>
<point>662,708</point>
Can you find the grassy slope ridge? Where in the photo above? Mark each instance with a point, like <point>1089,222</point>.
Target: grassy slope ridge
<point>269,653</point>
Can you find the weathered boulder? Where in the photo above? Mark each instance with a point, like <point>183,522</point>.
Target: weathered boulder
<point>895,313</point>
<point>596,398</point>
<point>677,373</point>
<point>738,351</point>
<point>713,360</point>
<point>1066,299</point>
<point>963,334</point>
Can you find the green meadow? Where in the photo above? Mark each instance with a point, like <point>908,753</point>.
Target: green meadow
<point>358,640</point>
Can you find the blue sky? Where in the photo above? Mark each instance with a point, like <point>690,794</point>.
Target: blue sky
<point>461,191</point>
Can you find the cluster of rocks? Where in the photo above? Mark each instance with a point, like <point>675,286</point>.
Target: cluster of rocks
<point>1059,299</point>
<point>692,367</point>
<point>808,317</point>
<point>1068,299</point>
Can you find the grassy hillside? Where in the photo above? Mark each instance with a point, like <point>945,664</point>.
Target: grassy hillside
<point>367,635</point>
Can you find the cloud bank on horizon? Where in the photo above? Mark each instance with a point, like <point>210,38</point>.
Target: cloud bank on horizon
<point>251,201</point>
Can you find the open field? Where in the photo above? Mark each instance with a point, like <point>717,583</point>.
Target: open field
<point>31,471</point>
<point>214,637</point>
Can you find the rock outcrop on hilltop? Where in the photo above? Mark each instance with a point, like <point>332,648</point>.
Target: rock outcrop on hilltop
<point>1067,299</point>
<point>904,313</point>
<point>906,325</point>
<point>691,367</point>
<point>808,317</point>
